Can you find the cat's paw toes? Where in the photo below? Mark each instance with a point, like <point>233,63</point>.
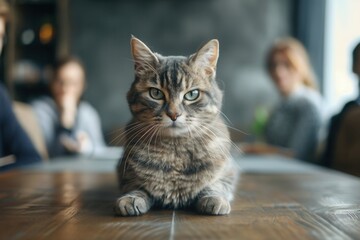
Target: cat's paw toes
<point>131,206</point>
<point>213,206</point>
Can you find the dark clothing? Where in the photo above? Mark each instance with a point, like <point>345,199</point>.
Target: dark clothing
<point>334,126</point>
<point>13,139</point>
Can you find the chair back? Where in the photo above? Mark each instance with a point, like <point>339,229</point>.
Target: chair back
<point>30,124</point>
<point>347,144</point>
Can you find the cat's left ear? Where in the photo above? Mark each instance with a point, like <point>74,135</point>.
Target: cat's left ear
<point>144,58</point>
<point>206,58</point>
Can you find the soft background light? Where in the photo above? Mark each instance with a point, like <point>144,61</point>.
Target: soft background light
<point>342,35</point>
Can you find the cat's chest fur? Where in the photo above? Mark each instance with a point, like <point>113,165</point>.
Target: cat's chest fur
<point>174,172</point>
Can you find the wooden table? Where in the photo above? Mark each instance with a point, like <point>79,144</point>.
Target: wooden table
<point>276,199</point>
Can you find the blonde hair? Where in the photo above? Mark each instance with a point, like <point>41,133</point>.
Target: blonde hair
<point>297,57</point>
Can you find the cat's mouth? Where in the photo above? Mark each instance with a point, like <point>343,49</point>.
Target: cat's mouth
<point>174,128</point>
<point>178,128</point>
<point>174,125</point>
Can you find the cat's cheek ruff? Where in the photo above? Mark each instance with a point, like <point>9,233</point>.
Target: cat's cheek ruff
<point>213,109</point>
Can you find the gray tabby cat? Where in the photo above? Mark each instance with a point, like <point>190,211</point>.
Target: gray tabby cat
<point>177,151</point>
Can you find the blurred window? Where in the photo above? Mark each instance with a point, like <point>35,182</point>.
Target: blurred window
<point>342,33</point>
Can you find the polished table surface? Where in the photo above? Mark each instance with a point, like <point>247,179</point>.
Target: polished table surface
<point>276,198</point>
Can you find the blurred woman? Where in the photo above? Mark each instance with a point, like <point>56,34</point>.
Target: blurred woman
<point>70,125</point>
<point>293,126</point>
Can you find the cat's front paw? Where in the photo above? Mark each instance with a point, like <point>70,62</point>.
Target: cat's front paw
<point>213,205</point>
<point>131,206</point>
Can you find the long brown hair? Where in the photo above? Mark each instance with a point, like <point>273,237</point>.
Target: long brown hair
<point>297,57</point>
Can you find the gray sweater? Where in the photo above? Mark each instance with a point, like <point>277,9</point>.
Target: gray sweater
<point>295,123</point>
<point>87,120</point>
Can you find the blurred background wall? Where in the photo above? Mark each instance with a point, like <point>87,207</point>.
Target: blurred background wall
<point>100,33</point>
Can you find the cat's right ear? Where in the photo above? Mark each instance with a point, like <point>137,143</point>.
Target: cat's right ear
<point>144,59</point>
<point>206,58</point>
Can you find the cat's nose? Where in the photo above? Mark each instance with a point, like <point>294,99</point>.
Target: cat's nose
<point>173,116</point>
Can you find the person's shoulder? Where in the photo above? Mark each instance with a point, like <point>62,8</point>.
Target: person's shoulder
<point>308,103</point>
<point>2,88</point>
<point>86,108</point>
<point>5,105</point>
<point>349,105</point>
<point>44,103</point>
<point>310,98</point>
<point>344,110</point>
<point>3,92</point>
<point>303,102</point>
<point>336,119</point>
<point>312,95</point>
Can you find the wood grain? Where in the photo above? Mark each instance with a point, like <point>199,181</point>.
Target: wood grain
<point>73,205</point>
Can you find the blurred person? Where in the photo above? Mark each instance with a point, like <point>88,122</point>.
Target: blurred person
<point>293,126</point>
<point>16,149</point>
<point>70,125</point>
<point>337,120</point>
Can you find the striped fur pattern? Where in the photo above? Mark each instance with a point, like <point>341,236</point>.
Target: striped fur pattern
<point>177,151</point>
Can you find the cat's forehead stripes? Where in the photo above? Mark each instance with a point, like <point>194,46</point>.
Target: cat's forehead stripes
<point>173,76</point>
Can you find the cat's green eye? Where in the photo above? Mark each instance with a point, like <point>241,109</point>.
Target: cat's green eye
<point>192,95</point>
<point>156,94</point>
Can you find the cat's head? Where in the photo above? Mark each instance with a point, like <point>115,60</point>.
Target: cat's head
<point>175,94</point>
